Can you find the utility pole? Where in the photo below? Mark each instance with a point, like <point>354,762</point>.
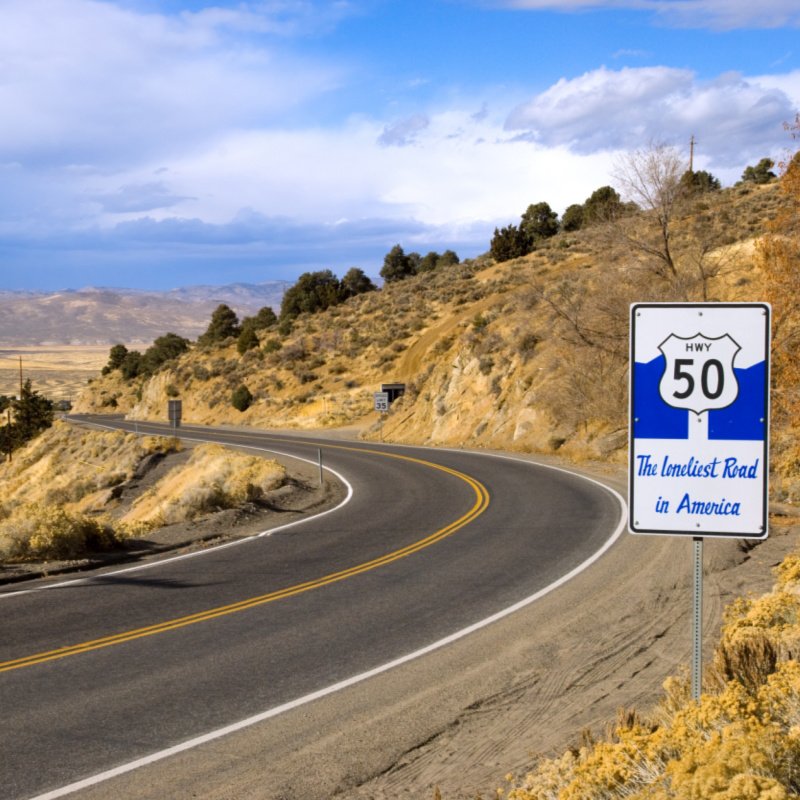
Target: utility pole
<point>20,377</point>
<point>692,143</point>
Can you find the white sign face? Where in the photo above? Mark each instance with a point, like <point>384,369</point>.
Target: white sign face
<point>382,401</point>
<point>699,419</point>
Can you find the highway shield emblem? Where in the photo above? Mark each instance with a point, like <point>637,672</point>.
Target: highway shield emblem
<point>699,374</point>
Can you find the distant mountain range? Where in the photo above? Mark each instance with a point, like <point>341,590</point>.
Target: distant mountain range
<point>98,315</point>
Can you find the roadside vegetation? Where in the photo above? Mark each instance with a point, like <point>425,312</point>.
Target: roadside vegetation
<point>214,478</point>
<point>73,492</point>
<point>741,741</point>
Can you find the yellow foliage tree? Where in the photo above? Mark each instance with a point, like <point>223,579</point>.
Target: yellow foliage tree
<point>779,256</point>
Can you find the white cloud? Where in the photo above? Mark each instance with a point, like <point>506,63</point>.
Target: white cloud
<point>735,118</point>
<point>88,82</point>
<point>462,168</point>
<point>722,14</point>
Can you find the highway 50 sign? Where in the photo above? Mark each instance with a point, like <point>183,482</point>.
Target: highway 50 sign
<point>699,419</point>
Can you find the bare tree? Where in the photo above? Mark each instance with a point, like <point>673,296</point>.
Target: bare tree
<point>651,178</point>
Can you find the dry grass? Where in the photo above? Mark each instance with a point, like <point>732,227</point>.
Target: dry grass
<point>215,478</point>
<point>71,491</point>
<point>741,741</point>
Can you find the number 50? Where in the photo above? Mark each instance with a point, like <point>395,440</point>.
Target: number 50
<point>705,383</point>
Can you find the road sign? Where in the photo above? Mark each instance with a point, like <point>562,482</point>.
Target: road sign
<point>382,401</point>
<point>699,419</point>
<point>175,412</point>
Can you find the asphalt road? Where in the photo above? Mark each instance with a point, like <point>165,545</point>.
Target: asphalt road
<point>97,673</point>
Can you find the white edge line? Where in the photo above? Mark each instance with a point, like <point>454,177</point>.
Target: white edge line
<point>207,550</point>
<point>355,679</point>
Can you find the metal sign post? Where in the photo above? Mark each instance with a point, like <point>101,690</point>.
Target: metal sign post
<point>699,428</point>
<point>381,401</point>
<point>697,620</point>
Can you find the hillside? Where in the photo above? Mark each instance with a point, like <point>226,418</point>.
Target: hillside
<point>105,316</point>
<point>531,354</point>
<point>528,354</point>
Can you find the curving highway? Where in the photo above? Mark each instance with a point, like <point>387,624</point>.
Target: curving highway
<point>97,673</point>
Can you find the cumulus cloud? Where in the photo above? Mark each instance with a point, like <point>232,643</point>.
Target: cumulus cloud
<point>606,110</point>
<point>722,14</point>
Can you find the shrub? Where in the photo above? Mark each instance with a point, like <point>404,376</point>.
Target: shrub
<point>242,398</point>
<point>200,372</point>
<point>272,346</point>
<point>38,532</point>
<point>248,339</point>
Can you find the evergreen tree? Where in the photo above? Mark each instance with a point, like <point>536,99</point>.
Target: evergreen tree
<point>760,173</point>
<point>539,222</point>
<point>603,205</point>
<point>115,358</point>
<point>248,339</point>
<point>429,262</point>
<point>131,365</point>
<point>510,242</point>
<point>314,291</point>
<point>32,414</point>
<point>699,182</point>
<point>397,265</point>
<point>265,318</point>
<point>224,324</point>
<point>164,349</point>
<point>572,219</point>
<point>355,281</point>
<point>448,259</point>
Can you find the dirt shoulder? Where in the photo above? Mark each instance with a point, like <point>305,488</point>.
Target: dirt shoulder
<point>564,666</point>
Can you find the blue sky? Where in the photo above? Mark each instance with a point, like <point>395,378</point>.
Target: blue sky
<point>159,143</point>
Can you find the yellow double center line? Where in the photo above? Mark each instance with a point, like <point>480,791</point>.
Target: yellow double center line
<point>480,505</point>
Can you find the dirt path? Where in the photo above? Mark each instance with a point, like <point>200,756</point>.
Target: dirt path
<point>410,365</point>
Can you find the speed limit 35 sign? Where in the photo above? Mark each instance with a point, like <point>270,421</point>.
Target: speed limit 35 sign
<point>699,419</point>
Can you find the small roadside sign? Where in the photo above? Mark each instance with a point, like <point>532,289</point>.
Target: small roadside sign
<point>699,419</point>
<point>381,401</point>
<point>175,412</point>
